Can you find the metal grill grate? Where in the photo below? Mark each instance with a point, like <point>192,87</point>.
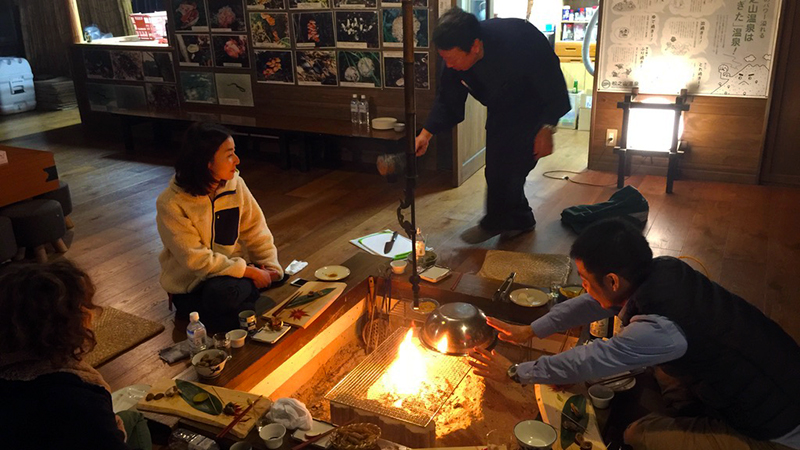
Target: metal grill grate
<point>444,373</point>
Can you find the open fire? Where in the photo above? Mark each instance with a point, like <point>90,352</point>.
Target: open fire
<point>406,382</point>
<point>402,380</point>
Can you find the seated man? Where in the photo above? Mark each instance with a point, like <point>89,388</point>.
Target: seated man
<point>218,251</point>
<point>704,341</point>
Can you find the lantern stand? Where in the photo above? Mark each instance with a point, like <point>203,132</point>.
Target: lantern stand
<point>676,147</point>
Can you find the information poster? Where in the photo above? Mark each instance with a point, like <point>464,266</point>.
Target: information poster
<point>710,47</point>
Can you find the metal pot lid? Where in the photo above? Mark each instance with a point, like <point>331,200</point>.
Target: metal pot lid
<point>462,324</point>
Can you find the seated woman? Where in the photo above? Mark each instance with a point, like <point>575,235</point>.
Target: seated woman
<point>51,397</point>
<point>218,251</point>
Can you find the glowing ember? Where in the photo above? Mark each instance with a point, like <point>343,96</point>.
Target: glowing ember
<point>409,376</point>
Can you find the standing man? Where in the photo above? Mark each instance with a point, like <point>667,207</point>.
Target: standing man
<point>508,66</point>
<point>728,374</point>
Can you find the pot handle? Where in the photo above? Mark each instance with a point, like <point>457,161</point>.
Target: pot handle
<point>494,342</point>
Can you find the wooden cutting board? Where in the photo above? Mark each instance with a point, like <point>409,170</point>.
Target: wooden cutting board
<point>551,403</point>
<point>302,316</point>
<point>177,406</point>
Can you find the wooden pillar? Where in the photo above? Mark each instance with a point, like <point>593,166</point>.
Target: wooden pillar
<point>74,19</point>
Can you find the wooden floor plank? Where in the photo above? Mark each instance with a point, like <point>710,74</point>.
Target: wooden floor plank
<point>744,235</point>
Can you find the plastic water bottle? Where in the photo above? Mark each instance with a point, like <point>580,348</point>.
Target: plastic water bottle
<point>354,109</point>
<point>363,110</point>
<point>182,439</point>
<point>196,333</point>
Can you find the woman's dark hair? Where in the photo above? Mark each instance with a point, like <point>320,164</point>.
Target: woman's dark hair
<point>614,246</point>
<point>45,310</point>
<point>456,28</point>
<point>200,143</point>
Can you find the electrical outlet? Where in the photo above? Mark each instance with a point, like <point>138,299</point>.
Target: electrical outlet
<point>611,137</point>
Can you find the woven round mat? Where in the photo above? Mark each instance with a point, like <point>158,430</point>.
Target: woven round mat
<point>116,332</point>
<point>539,270</point>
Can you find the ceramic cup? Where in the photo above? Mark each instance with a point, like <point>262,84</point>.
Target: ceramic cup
<point>247,320</point>
<point>237,338</point>
<point>272,435</point>
<point>399,266</point>
<point>535,435</point>
<point>242,446</point>
<point>601,396</point>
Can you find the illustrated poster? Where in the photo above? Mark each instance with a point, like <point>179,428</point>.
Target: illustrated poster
<point>355,4</point>
<point>314,30</point>
<point>127,65</point>
<point>357,29</point>
<point>231,51</point>
<point>98,64</point>
<point>266,4</point>
<point>393,27</point>
<point>194,50</point>
<point>360,69</point>
<point>162,97</point>
<point>189,15</point>
<point>158,66</point>
<point>274,67</point>
<point>234,89</point>
<point>226,15</point>
<point>270,30</point>
<point>316,68</point>
<point>710,47</point>
<point>198,87</point>
<point>393,70</point>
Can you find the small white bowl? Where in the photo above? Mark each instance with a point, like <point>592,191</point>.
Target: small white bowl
<point>535,435</point>
<point>399,127</point>
<point>399,266</point>
<point>383,123</point>
<point>272,435</point>
<point>206,370</point>
<point>601,396</point>
<point>237,338</point>
<point>242,446</point>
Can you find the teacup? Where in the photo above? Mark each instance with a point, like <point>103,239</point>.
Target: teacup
<point>272,435</point>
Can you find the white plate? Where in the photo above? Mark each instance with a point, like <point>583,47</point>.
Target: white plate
<point>529,297</point>
<point>621,385</point>
<point>332,273</point>
<point>268,336</point>
<point>128,396</point>
<point>317,426</point>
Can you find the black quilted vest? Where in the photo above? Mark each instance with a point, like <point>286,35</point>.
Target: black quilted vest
<point>739,363</point>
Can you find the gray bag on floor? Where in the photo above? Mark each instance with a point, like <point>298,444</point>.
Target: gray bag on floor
<point>627,203</point>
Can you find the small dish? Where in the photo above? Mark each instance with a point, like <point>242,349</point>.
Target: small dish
<point>535,435</point>
<point>621,385</point>
<point>237,338</point>
<point>399,266</point>
<point>317,427</point>
<point>268,336</point>
<point>399,127</point>
<point>383,123</point>
<point>209,363</point>
<point>601,395</point>
<point>272,435</point>
<point>529,297</point>
<point>332,273</point>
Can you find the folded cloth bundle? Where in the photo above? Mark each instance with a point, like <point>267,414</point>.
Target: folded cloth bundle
<point>175,352</point>
<point>627,203</point>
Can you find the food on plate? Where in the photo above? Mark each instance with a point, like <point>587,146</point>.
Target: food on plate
<point>149,397</point>
<point>200,397</point>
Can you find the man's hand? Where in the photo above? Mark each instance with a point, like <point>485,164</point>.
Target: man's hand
<point>121,426</point>
<point>262,278</point>
<point>517,334</point>
<point>543,144</point>
<point>489,364</point>
<point>422,141</point>
<point>273,274</point>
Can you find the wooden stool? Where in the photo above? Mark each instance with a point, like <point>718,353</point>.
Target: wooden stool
<point>63,197</point>
<point>36,223</point>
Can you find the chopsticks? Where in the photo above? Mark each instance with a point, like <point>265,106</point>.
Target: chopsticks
<point>303,445</point>
<point>614,379</point>
<point>237,419</point>
<point>283,306</point>
<point>574,421</point>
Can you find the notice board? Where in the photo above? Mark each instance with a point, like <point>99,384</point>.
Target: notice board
<point>710,47</point>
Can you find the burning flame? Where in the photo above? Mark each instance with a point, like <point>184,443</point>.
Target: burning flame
<point>441,346</point>
<point>407,376</point>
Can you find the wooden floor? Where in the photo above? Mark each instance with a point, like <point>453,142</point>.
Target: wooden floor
<point>746,236</point>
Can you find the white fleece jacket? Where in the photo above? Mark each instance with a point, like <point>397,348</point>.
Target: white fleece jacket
<point>204,239</point>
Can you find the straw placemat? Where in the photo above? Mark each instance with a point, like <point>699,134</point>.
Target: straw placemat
<point>538,270</point>
<point>116,332</point>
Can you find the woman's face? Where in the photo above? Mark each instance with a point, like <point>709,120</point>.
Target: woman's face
<point>223,165</point>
